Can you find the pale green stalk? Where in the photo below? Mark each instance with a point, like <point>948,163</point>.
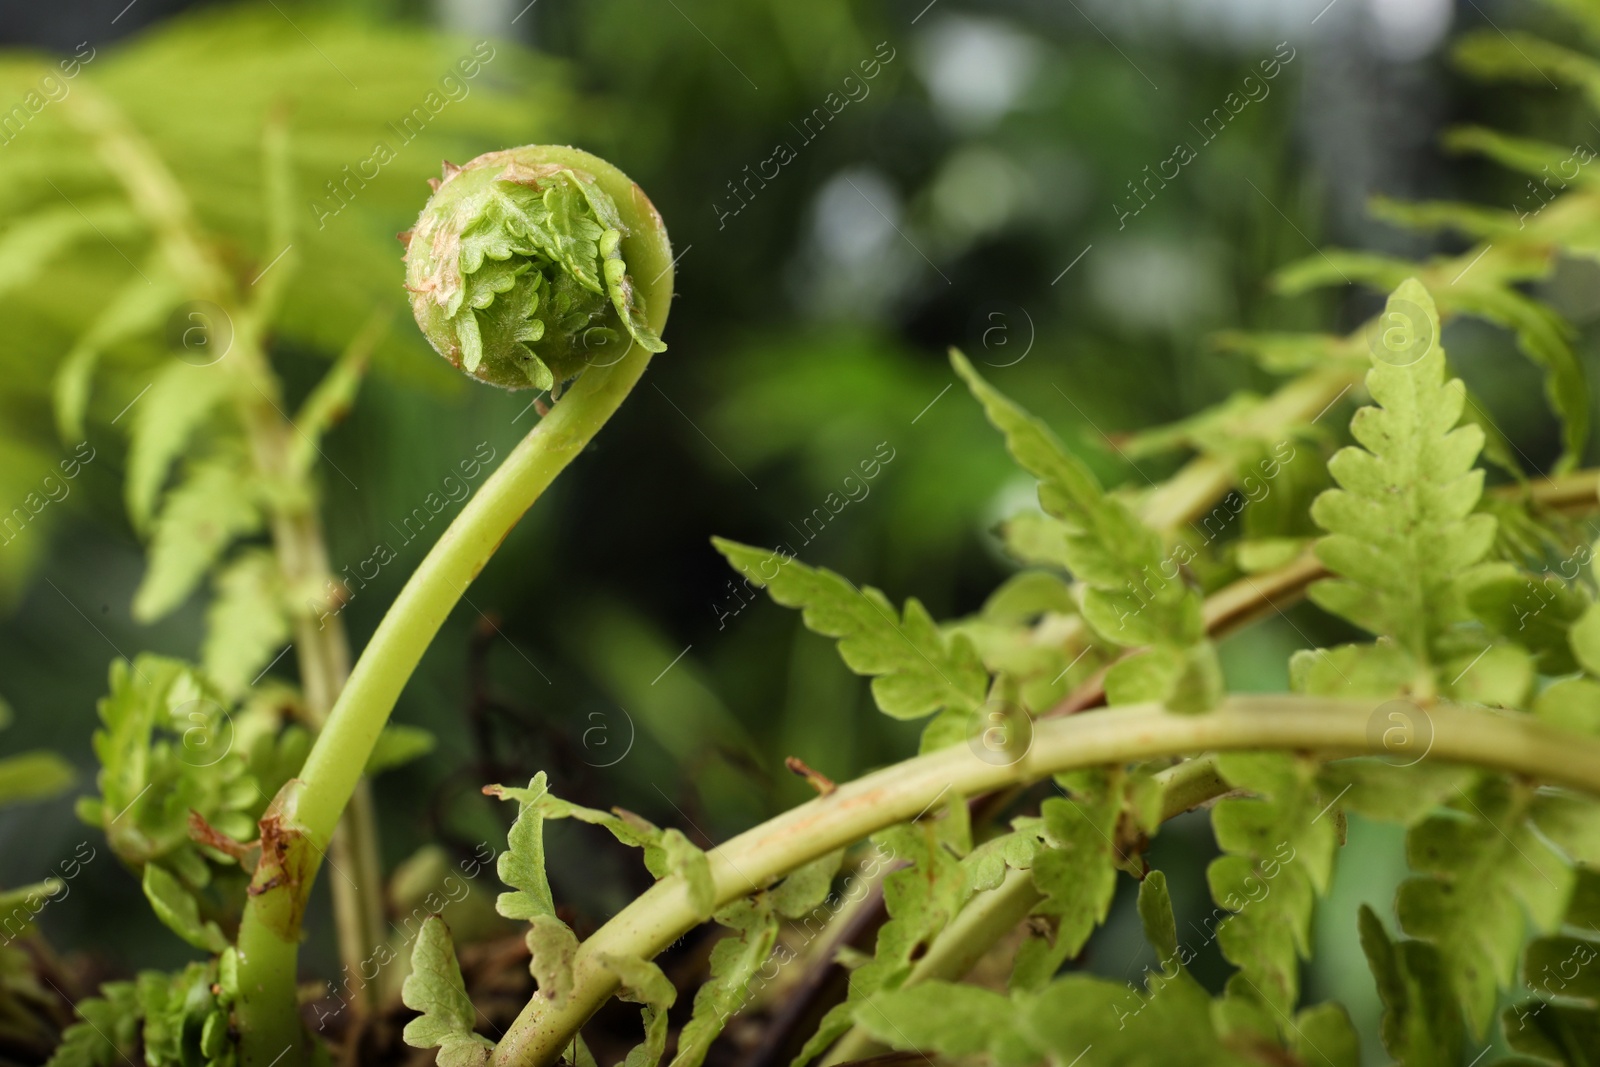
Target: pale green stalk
<point>1109,737</point>
<point>331,772</point>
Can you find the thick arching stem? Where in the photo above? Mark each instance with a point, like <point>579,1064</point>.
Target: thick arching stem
<point>334,767</point>
<point>298,829</point>
<point>1113,736</point>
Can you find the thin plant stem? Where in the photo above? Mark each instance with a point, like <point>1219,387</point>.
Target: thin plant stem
<point>297,539</point>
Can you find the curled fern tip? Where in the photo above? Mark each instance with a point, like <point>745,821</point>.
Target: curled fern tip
<point>521,266</point>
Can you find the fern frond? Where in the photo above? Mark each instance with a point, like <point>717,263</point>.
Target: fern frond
<point>1402,533</point>
<point>1131,594</point>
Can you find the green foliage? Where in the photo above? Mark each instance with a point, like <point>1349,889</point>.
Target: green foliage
<point>166,748</point>
<point>1074,868</point>
<point>214,506</point>
<point>1502,869</point>
<point>1421,1020</point>
<point>63,194</point>
<point>643,983</point>
<point>522,864</point>
<point>1279,846</point>
<point>247,623</point>
<point>516,270</point>
<point>1478,873</point>
<point>1403,536</point>
<point>175,906</point>
<point>178,1018</point>
<point>1115,557</point>
<point>435,989</point>
<point>108,1030</point>
<point>1172,1021</point>
<point>399,745</point>
<point>921,898</point>
<point>915,669</point>
<point>33,776</point>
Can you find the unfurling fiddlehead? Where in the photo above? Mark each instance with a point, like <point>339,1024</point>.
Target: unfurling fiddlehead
<point>519,273</point>
<point>516,267</point>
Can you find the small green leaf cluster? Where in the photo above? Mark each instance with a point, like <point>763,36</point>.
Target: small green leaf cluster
<point>178,1018</point>
<point>182,772</point>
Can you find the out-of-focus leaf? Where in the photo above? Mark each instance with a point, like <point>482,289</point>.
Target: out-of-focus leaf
<point>215,503</point>
<point>247,623</point>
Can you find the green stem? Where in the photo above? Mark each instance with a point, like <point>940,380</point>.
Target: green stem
<point>330,773</point>
<point>1201,482</point>
<point>296,532</point>
<point>1110,737</point>
<point>333,769</point>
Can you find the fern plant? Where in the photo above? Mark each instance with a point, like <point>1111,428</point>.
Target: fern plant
<point>1082,708</point>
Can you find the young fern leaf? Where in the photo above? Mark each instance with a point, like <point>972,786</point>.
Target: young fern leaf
<point>1488,292</point>
<point>1279,846</point>
<point>516,270</point>
<point>108,1030</point>
<point>33,776</point>
<point>736,960</point>
<point>1403,537</point>
<point>434,987</point>
<point>1564,1025</point>
<point>1118,560</point>
<point>165,751</point>
<point>1536,158</point>
<point>522,864</point>
<point>734,963</point>
<point>552,945</point>
<point>553,948</point>
<point>915,669</point>
<point>180,400</point>
<point>1477,877</point>
<point>215,503</point>
<point>180,1018</point>
<point>1421,1021</point>
<point>1525,57</point>
<point>137,309</point>
<point>643,983</point>
<point>1018,634</point>
<point>32,243</point>
<point>247,621</point>
<point>921,900</point>
<point>178,909</point>
<point>1074,867</point>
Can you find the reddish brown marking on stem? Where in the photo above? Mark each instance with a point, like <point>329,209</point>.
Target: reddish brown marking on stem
<point>285,864</point>
<point>204,833</point>
<point>819,781</point>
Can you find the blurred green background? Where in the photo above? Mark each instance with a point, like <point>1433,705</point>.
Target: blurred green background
<point>974,191</point>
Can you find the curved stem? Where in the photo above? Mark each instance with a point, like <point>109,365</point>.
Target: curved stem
<point>332,771</point>
<point>760,856</point>
<point>439,582</point>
